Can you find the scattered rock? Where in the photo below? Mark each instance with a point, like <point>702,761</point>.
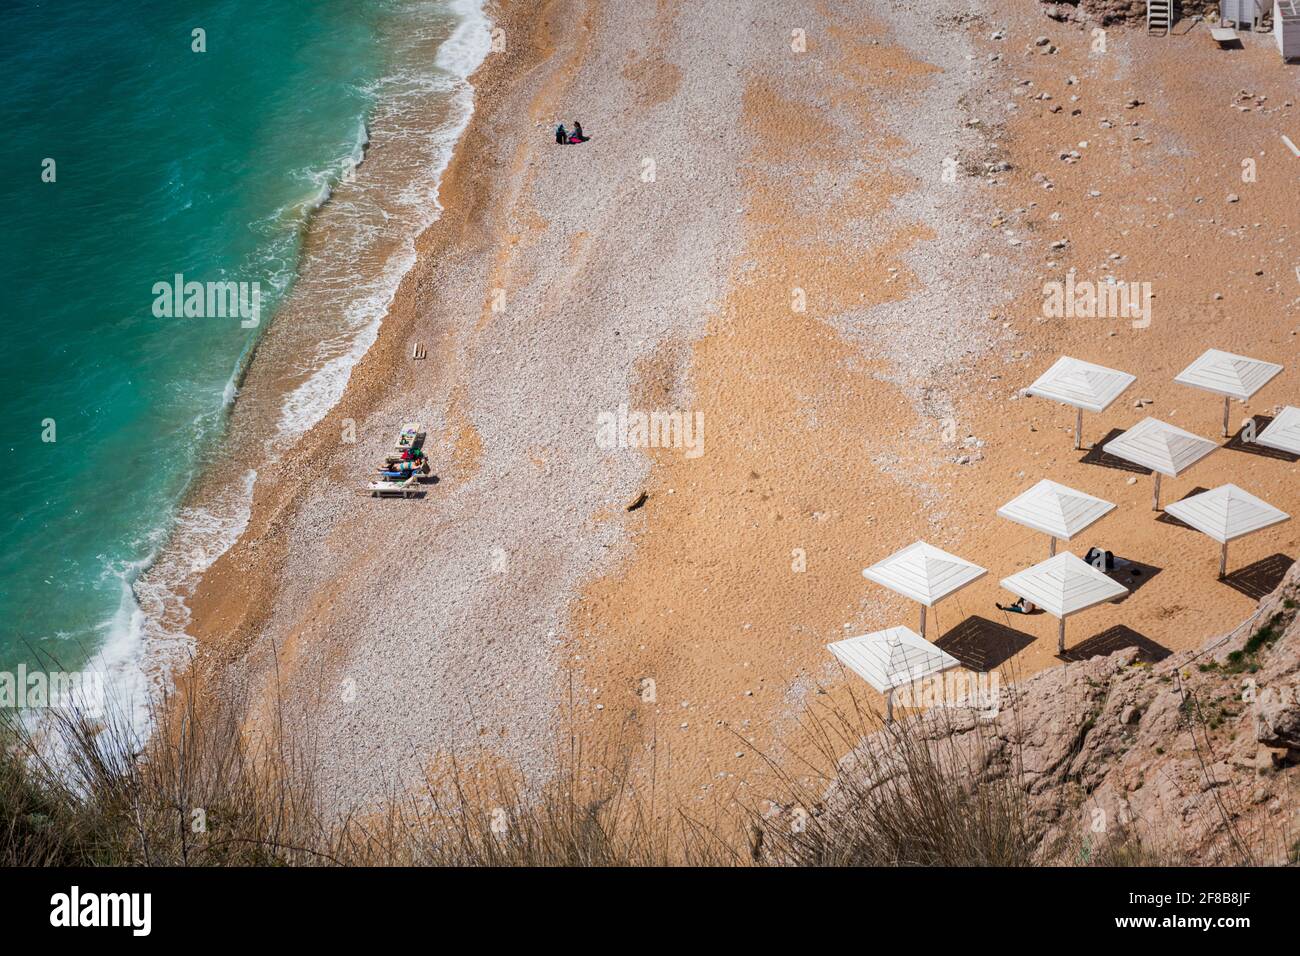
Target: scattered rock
<point>1271,758</point>
<point>1277,718</point>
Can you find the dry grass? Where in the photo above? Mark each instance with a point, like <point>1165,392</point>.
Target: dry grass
<point>80,792</point>
<point>83,792</point>
<point>201,794</point>
<point>908,795</point>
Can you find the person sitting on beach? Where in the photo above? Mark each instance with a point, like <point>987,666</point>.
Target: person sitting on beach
<point>561,135</point>
<point>577,135</point>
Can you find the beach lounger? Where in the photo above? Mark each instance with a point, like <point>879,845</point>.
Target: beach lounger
<point>398,460</point>
<point>404,489</point>
<point>1225,36</point>
<point>395,473</point>
<point>411,436</point>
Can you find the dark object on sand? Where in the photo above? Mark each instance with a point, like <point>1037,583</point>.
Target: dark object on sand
<point>561,135</point>
<point>1106,561</point>
<point>1099,559</point>
<point>638,501</point>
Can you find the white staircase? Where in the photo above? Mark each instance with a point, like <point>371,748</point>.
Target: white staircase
<point>1160,15</point>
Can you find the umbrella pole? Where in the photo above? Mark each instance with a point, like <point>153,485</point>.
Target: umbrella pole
<point>1060,636</point>
<point>1051,548</point>
<point>889,706</point>
<point>1223,562</point>
<point>1078,428</point>
<point>1226,402</point>
<point>1155,495</point>
<point>923,620</point>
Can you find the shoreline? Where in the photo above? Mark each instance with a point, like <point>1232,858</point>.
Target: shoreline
<point>230,608</point>
<point>264,390</point>
<point>794,461</point>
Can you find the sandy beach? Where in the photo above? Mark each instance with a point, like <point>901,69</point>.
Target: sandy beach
<point>824,231</point>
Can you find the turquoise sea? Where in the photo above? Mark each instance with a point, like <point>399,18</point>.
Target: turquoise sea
<point>133,156</point>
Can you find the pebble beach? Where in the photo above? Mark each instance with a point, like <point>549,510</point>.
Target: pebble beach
<point>824,231</point>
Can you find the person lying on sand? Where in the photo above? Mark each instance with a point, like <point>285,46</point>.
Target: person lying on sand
<point>1020,607</point>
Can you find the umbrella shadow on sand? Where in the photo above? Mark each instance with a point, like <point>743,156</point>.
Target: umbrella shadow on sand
<point>1132,574</point>
<point>983,645</point>
<point>1114,639</point>
<point>1166,518</point>
<point>1258,580</point>
<point>1237,443</point>
<point>1096,456</point>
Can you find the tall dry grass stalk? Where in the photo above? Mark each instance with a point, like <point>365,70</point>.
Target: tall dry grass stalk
<point>81,791</point>
<point>907,794</point>
<point>204,792</point>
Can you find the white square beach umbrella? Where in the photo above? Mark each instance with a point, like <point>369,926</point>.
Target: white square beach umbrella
<point>1164,448</point>
<point>891,658</point>
<point>1283,432</point>
<point>1055,510</point>
<point>1063,585</point>
<point>1229,375</point>
<point>1225,513</point>
<point>924,573</point>
<point>1086,386</point>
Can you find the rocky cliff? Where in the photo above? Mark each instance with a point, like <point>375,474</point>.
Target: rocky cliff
<point>1105,12</point>
<point>1192,758</point>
